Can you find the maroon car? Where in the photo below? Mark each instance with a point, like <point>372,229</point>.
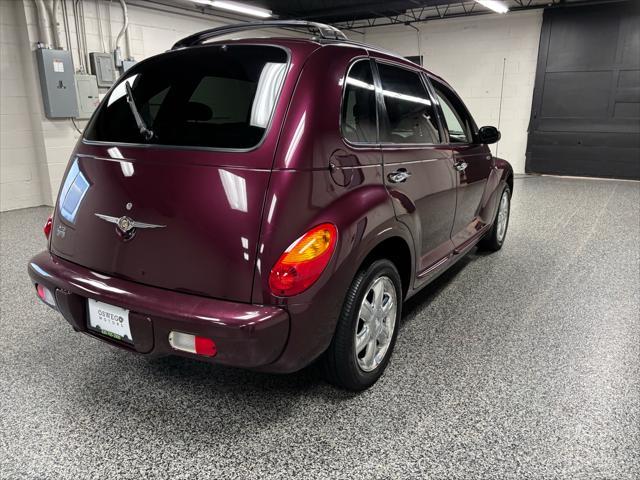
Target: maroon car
<point>264,203</point>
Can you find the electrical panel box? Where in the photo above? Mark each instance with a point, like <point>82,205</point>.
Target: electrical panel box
<point>57,83</point>
<point>88,95</point>
<point>127,64</point>
<point>103,68</point>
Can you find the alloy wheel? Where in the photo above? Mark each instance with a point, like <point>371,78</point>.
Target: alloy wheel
<point>376,323</point>
<point>503,217</point>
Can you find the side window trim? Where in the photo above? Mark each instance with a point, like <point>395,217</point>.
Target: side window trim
<point>382,108</point>
<point>342,101</point>
<point>472,126</point>
<point>444,132</point>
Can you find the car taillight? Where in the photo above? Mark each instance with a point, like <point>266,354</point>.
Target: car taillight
<point>47,226</point>
<point>302,263</point>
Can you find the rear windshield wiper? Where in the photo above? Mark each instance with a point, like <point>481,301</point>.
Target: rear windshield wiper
<point>144,130</point>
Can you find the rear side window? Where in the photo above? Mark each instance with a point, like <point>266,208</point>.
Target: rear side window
<point>359,123</point>
<point>213,96</point>
<point>410,114</point>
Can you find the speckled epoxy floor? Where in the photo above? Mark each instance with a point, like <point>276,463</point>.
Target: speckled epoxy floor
<point>520,364</point>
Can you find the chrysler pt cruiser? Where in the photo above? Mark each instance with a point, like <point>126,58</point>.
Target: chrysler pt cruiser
<point>269,202</point>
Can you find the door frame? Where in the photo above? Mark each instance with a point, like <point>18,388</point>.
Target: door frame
<point>423,274</point>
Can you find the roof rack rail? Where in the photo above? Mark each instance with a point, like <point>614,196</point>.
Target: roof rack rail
<point>323,31</point>
<point>368,46</point>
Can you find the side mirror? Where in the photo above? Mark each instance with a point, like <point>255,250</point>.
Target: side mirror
<point>489,135</point>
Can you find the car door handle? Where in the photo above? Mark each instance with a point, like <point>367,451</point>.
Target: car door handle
<point>460,165</point>
<point>399,175</point>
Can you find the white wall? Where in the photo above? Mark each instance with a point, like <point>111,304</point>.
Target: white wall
<point>20,175</point>
<point>469,53</point>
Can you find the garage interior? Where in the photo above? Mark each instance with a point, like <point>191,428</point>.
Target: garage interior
<point>522,364</point>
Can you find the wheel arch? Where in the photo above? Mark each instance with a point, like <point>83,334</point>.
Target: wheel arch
<point>395,249</point>
<point>508,178</point>
<point>507,172</point>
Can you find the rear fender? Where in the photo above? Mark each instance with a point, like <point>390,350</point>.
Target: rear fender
<point>364,218</point>
<point>362,214</point>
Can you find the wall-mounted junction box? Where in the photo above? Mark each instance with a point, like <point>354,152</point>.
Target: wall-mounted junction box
<point>88,95</point>
<point>56,82</point>
<point>103,68</point>
<point>127,64</point>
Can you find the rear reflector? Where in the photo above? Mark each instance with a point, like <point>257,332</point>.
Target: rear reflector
<point>46,295</point>
<point>193,344</point>
<point>48,226</point>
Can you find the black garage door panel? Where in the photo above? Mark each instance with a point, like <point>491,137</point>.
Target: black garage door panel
<point>585,117</point>
<point>576,94</point>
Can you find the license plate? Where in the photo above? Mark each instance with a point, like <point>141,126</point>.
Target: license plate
<point>109,320</point>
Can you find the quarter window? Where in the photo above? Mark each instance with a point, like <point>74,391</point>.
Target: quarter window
<point>359,105</point>
<point>410,113</point>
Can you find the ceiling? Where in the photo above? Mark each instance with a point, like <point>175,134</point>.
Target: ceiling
<point>330,11</point>
<point>373,13</point>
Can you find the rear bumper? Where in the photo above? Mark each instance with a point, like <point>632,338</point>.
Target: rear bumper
<point>248,336</point>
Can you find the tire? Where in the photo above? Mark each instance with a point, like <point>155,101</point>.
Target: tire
<point>343,365</point>
<point>494,240</point>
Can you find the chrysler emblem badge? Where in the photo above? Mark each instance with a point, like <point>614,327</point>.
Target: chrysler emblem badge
<point>126,225</point>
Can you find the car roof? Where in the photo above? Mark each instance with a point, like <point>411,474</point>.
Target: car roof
<point>321,36</point>
<point>291,42</point>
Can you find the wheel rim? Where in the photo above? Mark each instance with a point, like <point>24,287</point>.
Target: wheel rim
<point>376,323</point>
<point>503,216</point>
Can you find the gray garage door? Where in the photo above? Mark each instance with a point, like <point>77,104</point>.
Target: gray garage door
<point>585,118</point>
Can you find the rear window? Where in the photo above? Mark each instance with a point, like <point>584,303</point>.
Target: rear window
<point>214,96</point>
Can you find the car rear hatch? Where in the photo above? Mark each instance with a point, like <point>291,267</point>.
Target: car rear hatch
<point>175,199</point>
